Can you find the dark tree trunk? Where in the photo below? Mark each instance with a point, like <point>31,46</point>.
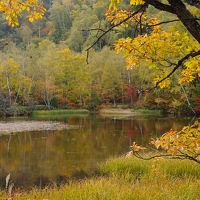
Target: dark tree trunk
<point>178,8</point>
<point>186,18</point>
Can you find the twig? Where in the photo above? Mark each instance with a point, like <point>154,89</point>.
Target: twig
<point>169,156</point>
<point>93,29</point>
<point>180,62</point>
<point>113,26</point>
<point>170,21</point>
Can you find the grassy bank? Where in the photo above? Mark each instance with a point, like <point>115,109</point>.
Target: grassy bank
<point>39,110</point>
<point>125,179</point>
<point>59,112</point>
<point>148,112</point>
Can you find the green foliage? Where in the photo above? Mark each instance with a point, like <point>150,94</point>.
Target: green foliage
<point>42,107</point>
<point>94,101</point>
<point>61,20</point>
<point>18,111</point>
<point>54,102</point>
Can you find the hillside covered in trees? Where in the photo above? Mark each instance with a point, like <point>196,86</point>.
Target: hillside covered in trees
<point>44,62</point>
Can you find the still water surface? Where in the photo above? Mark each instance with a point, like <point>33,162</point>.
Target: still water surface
<point>43,157</point>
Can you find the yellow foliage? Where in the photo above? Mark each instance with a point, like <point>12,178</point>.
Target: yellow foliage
<point>161,50</point>
<point>115,17</point>
<point>136,147</point>
<point>114,3</point>
<point>14,9</point>
<point>186,141</point>
<point>192,69</point>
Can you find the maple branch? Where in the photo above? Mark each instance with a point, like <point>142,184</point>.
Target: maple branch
<point>180,62</point>
<point>141,21</point>
<point>168,156</point>
<point>194,158</point>
<point>136,29</point>
<point>113,26</point>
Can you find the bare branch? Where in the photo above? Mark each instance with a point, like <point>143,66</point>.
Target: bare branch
<point>195,3</point>
<point>180,62</point>
<point>141,21</point>
<point>93,29</point>
<point>170,21</point>
<point>168,156</point>
<point>113,26</point>
<point>161,6</point>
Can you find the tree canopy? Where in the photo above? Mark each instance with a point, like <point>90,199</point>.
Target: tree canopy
<point>14,9</point>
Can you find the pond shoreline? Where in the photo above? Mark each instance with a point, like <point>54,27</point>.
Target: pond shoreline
<point>14,111</point>
<point>118,111</point>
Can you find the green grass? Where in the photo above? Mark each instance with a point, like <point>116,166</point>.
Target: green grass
<point>169,167</point>
<point>126,179</point>
<point>58,112</point>
<point>58,117</point>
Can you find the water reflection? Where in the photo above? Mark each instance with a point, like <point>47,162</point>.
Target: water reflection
<point>40,158</point>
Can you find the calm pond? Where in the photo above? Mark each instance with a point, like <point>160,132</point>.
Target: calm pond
<point>44,157</point>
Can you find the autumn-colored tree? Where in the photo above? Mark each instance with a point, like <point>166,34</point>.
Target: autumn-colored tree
<point>166,53</point>
<point>196,100</point>
<point>72,78</point>
<point>15,8</point>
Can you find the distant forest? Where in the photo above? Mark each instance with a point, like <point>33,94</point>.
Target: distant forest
<point>44,62</point>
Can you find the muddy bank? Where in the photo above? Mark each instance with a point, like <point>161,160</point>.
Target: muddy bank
<point>117,111</point>
<point>14,127</point>
<point>130,112</point>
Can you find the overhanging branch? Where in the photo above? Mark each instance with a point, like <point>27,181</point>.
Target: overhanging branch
<point>113,26</point>
<point>168,156</point>
<point>170,21</point>
<point>180,62</point>
<point>161,6</point>
<point>195,3</point>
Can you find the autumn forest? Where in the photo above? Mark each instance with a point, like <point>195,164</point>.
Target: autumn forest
<point>99,99</point>
<point>44,62</point>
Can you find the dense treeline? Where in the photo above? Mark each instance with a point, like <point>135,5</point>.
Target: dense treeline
<point>44,63</point>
